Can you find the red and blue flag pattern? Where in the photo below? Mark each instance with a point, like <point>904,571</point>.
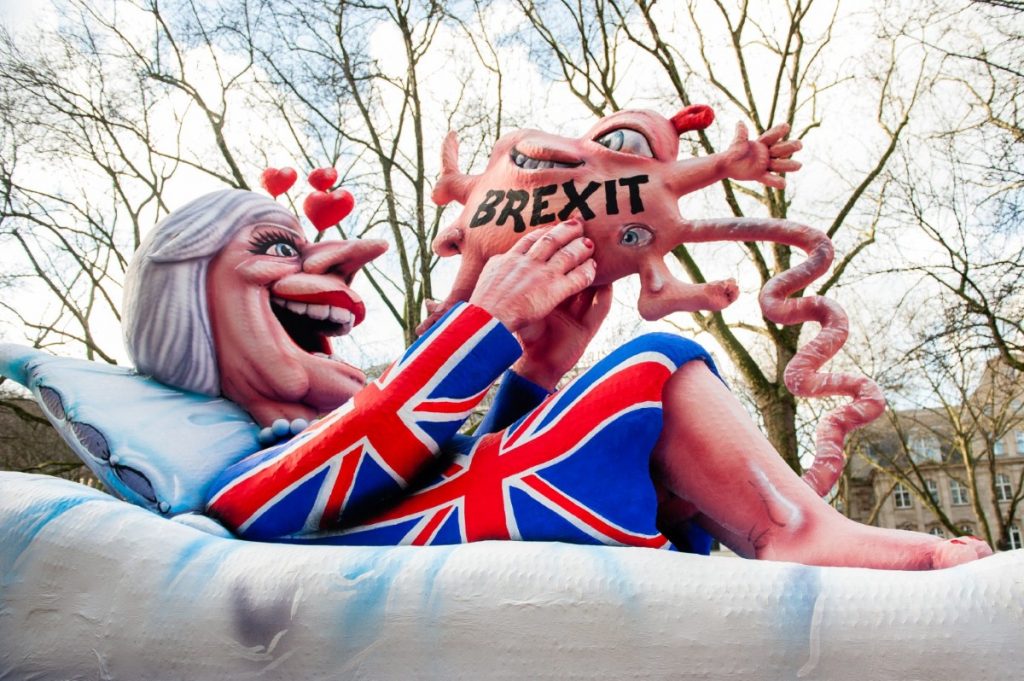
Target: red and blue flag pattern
<point>369,450</point>
<point>575,468</point>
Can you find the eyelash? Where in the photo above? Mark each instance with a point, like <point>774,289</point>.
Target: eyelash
<point>261,240</point>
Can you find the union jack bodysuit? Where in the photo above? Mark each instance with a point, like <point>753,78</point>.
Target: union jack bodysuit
<point>389,466</point>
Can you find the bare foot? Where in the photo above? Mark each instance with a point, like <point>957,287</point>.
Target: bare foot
<point>957,551</point>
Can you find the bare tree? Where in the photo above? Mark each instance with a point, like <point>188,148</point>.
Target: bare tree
<point>790,45</point>
<point>962,421</point>
<point>101,112</point>
<point>971,211</point>
<point>377,117</point>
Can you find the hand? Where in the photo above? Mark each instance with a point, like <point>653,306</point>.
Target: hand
<point>528,282</point>
<point>763,158</point>
<point>553,345</point>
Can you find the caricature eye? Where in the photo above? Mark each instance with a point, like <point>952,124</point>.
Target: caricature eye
<point>626,141</point>
<point>635,236</point>
<point>277,244</point>
<point>281,250</point>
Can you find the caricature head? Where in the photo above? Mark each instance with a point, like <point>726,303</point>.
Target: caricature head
<point>621,177</point>
<point>226,296</point>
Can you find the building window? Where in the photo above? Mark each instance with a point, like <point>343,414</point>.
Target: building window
<point>958,493</point>
<point>937,532</point>
<point>925,448</point>
<point>966,529</point>
<point>1015,542</point>
<point>999,447</point>
<point>933,490</point>
<point>1004,490</point>
<point>1018,440</point>
<point>901,496</point>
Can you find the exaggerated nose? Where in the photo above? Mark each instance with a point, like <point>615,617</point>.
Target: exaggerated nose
<point>341,257</point>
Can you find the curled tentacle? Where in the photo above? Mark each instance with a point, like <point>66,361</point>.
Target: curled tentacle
<point>802,375</point>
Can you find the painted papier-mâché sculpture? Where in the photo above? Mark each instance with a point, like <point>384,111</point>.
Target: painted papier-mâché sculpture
<point>226,298</point>
<point>623,178</point>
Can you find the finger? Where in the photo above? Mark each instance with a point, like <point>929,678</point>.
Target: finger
<point>576,306</point>
<point>579,278</point>
<point>773,135</point>
<point>526,242</point>
<point>572,254</point>
<point>770,180</point>
<point>741,133</point>
<point>601,304</point>
<point>784,165</point>
<point>556,238</point>
<point>785,148</point>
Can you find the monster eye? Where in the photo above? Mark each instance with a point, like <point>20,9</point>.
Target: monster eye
<point>626,141</point>
<point>635,236</point>
<point>278,244</point>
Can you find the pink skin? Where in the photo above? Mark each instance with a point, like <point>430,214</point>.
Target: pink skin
<point>262,368</point>
<point>745,495</point>
<point>628,242</point>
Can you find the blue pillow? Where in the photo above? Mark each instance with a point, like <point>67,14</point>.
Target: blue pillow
<point>152,445</point>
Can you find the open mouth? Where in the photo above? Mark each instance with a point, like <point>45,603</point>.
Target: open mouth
<point>530,163</point>
<point>312,325</point>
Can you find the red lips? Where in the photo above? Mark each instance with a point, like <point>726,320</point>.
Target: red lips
<point>333,298</point>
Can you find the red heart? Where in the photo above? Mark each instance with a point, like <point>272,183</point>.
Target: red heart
<point>326,210</point>
<point>278,180</point>
<point>323,178</point>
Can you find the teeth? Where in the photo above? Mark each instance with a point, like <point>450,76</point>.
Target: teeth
<point>318,311</point>
<point>344,319</point>
<point>340,315</point>
<point>529,163</point>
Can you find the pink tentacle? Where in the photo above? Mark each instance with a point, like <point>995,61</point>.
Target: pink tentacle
<point>802,375</point>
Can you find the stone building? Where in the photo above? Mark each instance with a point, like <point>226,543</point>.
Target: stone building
<point>950,470</point>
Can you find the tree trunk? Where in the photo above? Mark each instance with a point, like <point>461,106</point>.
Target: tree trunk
<point>779,413</point>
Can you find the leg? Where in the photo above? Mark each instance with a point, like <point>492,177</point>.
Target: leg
<point>713,456</point>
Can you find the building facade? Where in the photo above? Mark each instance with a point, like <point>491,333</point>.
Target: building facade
<point>956,469</point>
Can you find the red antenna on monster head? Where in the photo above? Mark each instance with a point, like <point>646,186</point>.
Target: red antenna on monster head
<point>693,117</point>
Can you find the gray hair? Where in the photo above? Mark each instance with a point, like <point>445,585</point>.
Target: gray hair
<point>166,320</point>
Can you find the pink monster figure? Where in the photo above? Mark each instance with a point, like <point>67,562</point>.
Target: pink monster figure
<point>622,178</point>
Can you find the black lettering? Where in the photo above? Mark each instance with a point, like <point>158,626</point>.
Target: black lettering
<point>539,217</point>
<point>578,200</point>
<point>485,211</point>
<point>611,199</point>
<point>636,204</point>
<point>515,201</point>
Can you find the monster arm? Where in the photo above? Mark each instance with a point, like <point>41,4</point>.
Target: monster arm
<point>760,160</point>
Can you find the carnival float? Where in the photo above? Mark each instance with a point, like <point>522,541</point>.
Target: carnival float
<point>287,520</point>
